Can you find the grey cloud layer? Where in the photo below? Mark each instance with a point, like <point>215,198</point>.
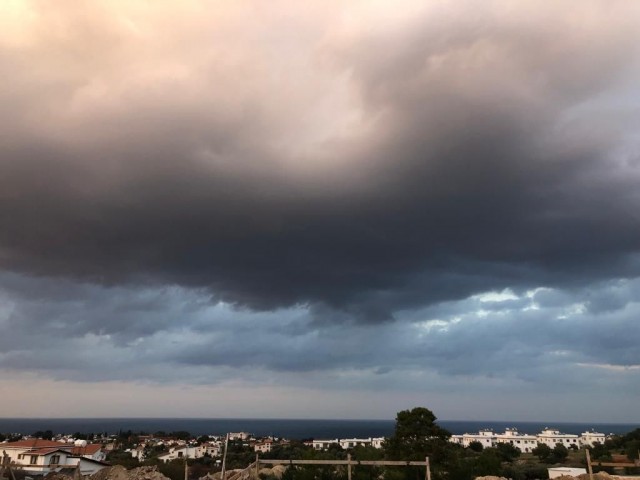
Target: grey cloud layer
<point>358,170</point>
<point>543,341</point>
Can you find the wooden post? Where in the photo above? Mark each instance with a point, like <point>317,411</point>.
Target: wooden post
<point>349,466</point>
<point>186,465</point>
<point>6,465</point>
<point>589,469</point>
<point>223,475</point>
<point>428,477</point>
<point>257,466</point>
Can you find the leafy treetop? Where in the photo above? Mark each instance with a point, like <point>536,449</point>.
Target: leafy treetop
<point>416,435</point>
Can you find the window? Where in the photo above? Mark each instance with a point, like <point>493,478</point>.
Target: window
<point>34,459</point>
<point>55,460</point>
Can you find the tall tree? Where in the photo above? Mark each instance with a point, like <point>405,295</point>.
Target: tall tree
<point>417,436</point>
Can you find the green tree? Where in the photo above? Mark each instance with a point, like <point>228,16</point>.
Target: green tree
<point>173,469</point>
<point>416,435</point>
<point>507,452</point>
<point>120,457</point>
<point>476,446</point>
<point>543,452</point>
<point>600,452</point>
<point>559,453</point>
<point>488,463</point>
<point>46,435</point>
<point>631,448</point>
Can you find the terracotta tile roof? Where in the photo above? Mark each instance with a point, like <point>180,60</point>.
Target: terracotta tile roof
<point>44,451</point>
<point>36,443</point>
<point>90,449</point>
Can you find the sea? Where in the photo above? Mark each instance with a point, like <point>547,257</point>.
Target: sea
<point>283,428</point>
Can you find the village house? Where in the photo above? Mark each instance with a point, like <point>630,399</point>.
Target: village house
<point>183,452</point>
<point>41,457</point>
<point>93,451</point>
<point>263,447</point>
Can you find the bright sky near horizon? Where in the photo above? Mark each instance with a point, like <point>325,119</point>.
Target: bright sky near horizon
<point>320,209</point>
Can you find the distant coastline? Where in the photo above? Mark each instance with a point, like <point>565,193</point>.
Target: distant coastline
<point>288,428</point>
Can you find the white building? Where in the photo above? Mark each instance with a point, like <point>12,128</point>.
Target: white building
<point>41,457</point>
<point>138,453</point>
<point>561,471</point>
<point>485,437</point>
<point>263,447</point>
<point>589,439</point>
<point>347,443</point>
<point>92,451</point>
<point>176,453</point>
<point>87,466</point>
<point>551,437</point>
<point>377,442</point>
<point>323,444</point>
<point>213,449</point>
<point>523,442</point>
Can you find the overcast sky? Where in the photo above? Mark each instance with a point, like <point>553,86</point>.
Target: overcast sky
<point>320,209</point>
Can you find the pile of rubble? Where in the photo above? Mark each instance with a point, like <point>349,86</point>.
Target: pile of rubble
<point>275,472</point>
<point>118,472</point>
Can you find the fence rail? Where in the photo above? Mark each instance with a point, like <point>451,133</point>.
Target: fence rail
<point>349,462</point>
<point>397,463</point>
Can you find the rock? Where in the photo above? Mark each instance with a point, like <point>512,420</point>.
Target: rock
<point>277,471</point>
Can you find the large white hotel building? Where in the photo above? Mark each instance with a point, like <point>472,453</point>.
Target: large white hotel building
<point>525,442</point>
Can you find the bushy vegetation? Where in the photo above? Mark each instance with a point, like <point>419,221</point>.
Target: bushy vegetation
<point>416,436</point>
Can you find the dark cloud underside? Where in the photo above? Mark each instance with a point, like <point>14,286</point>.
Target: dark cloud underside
<point>490,151</point>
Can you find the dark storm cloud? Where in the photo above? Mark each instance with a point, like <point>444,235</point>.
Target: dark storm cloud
<point>491,150</point>
<point>515,342</point>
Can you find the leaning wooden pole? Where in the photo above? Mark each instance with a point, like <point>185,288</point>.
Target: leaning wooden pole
<point>224,458</point>
<point>257,466</point>
<point>589,469</point>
